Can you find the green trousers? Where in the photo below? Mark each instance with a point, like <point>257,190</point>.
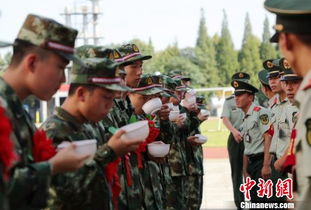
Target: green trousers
<point>236,151</point>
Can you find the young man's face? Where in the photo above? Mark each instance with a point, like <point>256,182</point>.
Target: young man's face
<point>133,73</point>
<point>243,100</point>
<point>47,76</point>
<point>138,101</point>
<point>291,88</point>
<point>97,104</point>
<point>275,84</point>
<point>180,96</point>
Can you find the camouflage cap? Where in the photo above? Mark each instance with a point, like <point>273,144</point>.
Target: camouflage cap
<point>102,72</point>
<point>169,86</point>
<point>177,74</point>
<point>130,52</point>
<point>49,34</point>
<point>180,86</point>
<point>240,76</point>
<point>147,86</point>
<point>92,51</point>
<point>293,16</point>
<point>200,100</point>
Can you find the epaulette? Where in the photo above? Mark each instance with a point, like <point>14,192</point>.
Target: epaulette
<point>308,86</point>
<point>230,97</point>
<point>257,108</point>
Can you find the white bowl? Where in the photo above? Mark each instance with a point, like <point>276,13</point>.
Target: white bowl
<point>136,131</point>
<point>200,139</point>
<point>183,115</point>
<point>176,108</point>
<point>191,100</point>
<point>152,106</point>
<point>190,93</point>
<point>205,112</point>
<point>158,149</point>
<point>170,105</point>
<point>173,116</point>
<point>83,147</point>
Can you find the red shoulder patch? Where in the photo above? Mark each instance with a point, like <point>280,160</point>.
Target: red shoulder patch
<point>257,108</point>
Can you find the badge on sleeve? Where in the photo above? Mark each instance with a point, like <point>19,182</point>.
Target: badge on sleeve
<point>264,119</point>
<point>308,131</point>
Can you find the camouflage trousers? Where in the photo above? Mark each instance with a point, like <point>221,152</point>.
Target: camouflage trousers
<point>153,190</point>
<point>194,192</point>
<point>176,194</point>
<point>131,197</point>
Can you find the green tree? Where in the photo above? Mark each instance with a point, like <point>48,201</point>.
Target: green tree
<point>267,50</point>
<point>205,52</point>
<point>226,56</point>
<point>249,56</point>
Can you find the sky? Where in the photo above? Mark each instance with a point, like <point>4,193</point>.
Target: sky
<point>164,21</point>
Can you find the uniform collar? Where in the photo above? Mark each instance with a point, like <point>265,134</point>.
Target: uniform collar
<point>250,110</point>
<point>14,102</point>
<point>300,95</point>
<point>66,116</point>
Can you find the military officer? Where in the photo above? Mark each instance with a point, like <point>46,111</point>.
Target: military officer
<point>275,70</point>
<point>90,98</point>
<point>293,35</point>
<point>254,130</point>
<point>41,51</point>
<point>232,118</point>
<point>288,119</point>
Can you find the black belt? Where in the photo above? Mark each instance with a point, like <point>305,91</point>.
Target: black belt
<point>255,157</point>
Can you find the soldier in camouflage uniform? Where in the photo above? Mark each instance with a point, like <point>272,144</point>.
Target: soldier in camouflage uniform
<point>42,50</point>
<point>151,174</point>
<point>90,98</point>
<point>232,119</point>
<point>194,154</point>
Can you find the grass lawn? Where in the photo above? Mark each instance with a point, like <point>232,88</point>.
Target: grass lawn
<point>216,137</point>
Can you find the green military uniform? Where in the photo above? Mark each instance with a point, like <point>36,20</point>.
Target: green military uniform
<point>177,165</point>
<point>194,155</point>
<point>86,188</point>
<point>151,172</point>
<point>29,183</point>
<point>235,150</point>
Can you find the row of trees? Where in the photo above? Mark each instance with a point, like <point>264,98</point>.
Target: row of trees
<point>214,59</point>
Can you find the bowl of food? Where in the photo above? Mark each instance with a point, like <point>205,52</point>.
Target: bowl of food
<point>158,149</point>
<point>173,116</point>
<point>200,139</point>
<point>152,106</point>
<point>83,147</point>
<point>136,131</point>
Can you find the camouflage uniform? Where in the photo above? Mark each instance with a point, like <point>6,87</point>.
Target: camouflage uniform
<point>194,155</point>
<point>87,188</point>
<point>29,183</point>
<point>177,163</point>
<point>131,197</point>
